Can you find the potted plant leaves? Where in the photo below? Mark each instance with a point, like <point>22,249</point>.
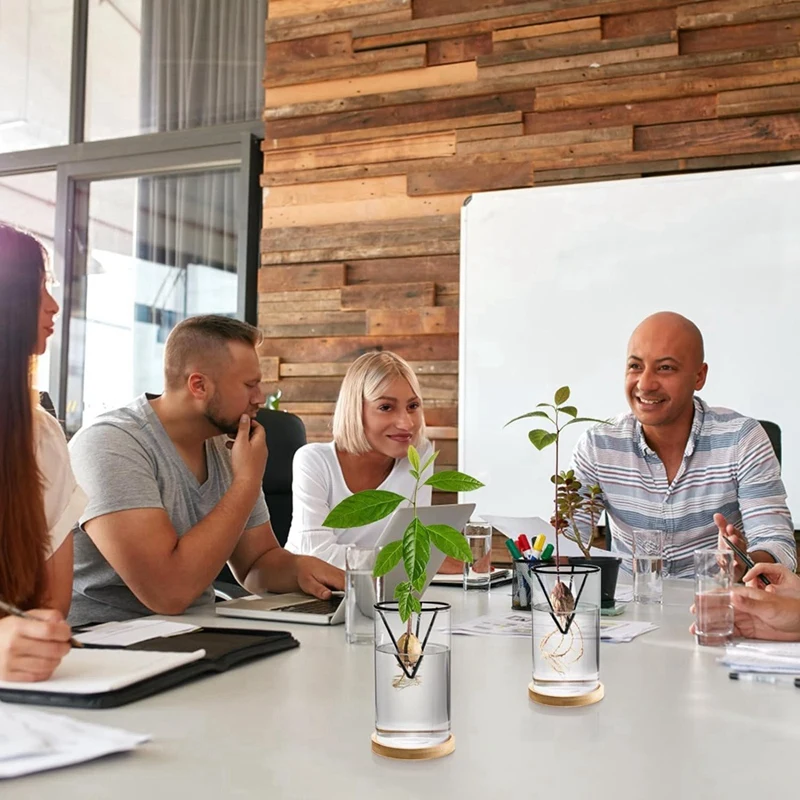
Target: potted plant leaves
<point>566,597</point>
<point>412,635</point>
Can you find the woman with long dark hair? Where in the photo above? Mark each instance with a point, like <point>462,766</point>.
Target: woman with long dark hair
<point>39,498</point>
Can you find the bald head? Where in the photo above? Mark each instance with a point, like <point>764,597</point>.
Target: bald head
<point>670,330</point>
<point>665,367</point>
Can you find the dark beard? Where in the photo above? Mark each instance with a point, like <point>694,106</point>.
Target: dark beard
<point>231,427</point>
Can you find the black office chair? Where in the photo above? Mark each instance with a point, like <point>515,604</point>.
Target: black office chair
<point>286,434</point>
<point>773,431</point>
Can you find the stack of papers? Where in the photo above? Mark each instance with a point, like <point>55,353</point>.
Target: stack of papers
<point>133,631</point>
<point>519,625</point>
<point>776,657</point>
<point>33,741</point>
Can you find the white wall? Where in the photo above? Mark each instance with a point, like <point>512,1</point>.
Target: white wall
<point>554,279</point>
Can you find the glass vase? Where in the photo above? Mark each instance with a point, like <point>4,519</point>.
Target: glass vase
<point>565,612</point>
<point>412,677</point>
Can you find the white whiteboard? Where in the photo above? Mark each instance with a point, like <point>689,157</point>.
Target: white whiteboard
<point>554,280</point>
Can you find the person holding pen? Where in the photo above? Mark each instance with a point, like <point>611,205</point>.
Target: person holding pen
<point>769,612</point>
<point>39,498</point>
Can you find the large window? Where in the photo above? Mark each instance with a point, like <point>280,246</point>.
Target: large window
<point>129,133</point>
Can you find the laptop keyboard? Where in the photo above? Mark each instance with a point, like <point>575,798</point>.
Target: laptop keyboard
<point>328,606</point>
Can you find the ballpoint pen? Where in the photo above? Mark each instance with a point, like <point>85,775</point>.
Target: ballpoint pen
<point>18,612</point>
<point>746,560</point>
<point>765,677</point>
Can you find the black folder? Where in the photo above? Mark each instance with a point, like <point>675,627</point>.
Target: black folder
<point>225,648</point>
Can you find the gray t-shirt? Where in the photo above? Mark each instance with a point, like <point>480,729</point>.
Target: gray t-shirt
<point>124,460</point>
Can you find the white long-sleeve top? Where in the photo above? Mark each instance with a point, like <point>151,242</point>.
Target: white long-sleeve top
<point>318,485</point>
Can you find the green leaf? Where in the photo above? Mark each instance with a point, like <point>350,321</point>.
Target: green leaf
<point>419,583</point>
<point>429,462</point>
<point>414,474</point>
<point>416,549</point>
<point>531,414</point>
<point>544,405</point>
<point>569,410</point>
<point>363,508</point>
<point>541,439</point>
<point>405,600</point>
<point>561,395</point>
<point>413,457</point>
<point>450,542</point>
<point>587,419</point>
<point>388,558</point>
<point>453,481</point>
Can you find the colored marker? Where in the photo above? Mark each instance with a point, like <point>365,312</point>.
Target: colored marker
<point>547,554</point>
<point>538,545</point>
<point>512,548</point>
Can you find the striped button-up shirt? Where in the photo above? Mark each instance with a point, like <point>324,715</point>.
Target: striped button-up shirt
<point>728,466</point>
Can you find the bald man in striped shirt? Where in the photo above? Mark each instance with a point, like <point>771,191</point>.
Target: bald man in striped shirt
<point>677,465</point>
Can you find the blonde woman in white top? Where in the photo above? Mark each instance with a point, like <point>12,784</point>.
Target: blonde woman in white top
<point>378,415</point>
<point>39,498</point>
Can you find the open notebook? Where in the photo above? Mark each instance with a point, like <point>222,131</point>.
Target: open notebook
<point>499,577</point>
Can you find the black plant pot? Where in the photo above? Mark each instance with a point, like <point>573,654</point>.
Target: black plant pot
<point>609,570</point>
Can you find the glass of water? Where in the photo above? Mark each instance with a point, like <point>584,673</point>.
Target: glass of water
<point>362,591</point>
<point>713,596</point>
<point>478,574</point>
<point>648,560</point>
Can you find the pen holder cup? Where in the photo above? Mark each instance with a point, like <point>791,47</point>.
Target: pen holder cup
<point>520,585</point>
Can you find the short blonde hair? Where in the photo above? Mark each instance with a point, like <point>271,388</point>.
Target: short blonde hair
<point>365,379</point>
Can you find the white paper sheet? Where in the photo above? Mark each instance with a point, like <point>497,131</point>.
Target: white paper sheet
<point>777,657</point>
<point>34,741</point>
<point>519,624</point>
<point>133,631</point>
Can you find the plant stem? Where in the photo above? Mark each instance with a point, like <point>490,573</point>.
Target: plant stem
<point>558,555</point>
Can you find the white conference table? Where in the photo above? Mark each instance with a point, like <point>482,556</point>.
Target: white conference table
<point>298,725</point>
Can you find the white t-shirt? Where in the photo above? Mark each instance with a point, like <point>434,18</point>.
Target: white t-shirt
<point>318,485</point>
<point>64,500</point>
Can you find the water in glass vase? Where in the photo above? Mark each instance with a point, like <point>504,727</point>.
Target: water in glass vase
<point>412,712</point>
<point>648,585</point>
<point>566,656</point>
<point>714,623</point>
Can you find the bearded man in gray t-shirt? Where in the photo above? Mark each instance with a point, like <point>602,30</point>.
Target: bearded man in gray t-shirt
<point>172,498</point>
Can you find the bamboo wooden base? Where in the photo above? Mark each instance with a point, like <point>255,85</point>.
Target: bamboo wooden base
<point>414,754</point>
<point>570,701</point>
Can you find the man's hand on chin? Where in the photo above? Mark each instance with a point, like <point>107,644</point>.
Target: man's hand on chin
<point>317,578</point>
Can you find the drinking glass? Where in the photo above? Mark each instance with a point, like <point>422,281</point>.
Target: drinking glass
<point>362,591</point>
<point>478,574</point>
<point>648,560</point>
<point>713,596</point>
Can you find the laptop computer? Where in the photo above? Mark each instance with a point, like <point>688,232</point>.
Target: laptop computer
<point>298,607</point>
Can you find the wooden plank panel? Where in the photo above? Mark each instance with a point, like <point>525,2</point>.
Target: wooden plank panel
<point>403,231</point>
<point>337,368</point>
<point>373,151</point>
<point>733,12</point>
<point>310,408</point>
<point>700,81</point>
<point>443,75</point>
<point>433,387</point>
<point>286,33</point>
<point>388,295</point>
<point>448,451</point>
<point>322,295</point>
<point>639,23</point>
<point>411,348</point>
<point>346,173</point>
<point>740,36</point>
<point>462,48</point>
<point>401,114</point>
<point>302,277</point>
<point>545,42</point>
<point>727,135</point>
<point>542,140</point>
<point>311,67</point>
<point>379,208</point>
<point>765,100</point>
<point>437,433</point>
<point>470,178</point>
<point>549,29</point>
<point>412,321</point>
<point>335,192</point>
<point>490,132</point>
<point>392,131</point>
<point>363,251</point>
<point>270,368</point>
<point>289,13</point>
<point>515,83</point>
<point>353,67</point>
<point>313,323</point>
<point>403,270</point>
<point>313,47</point>
<point>660,111</point>
<point>585,60</point>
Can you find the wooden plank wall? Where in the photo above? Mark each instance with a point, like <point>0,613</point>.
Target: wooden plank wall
<point>382,116</point>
